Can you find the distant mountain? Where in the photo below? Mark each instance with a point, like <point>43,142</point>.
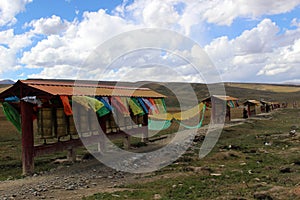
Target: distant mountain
<point>293,83</point>
<point>7,82</point>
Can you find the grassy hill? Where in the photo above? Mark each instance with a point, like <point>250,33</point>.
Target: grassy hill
<point>267,87</point>
<point>243,91</point>
<point>4,87</point>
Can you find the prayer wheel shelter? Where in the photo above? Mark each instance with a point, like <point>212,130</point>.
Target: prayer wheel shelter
<point>275,105</point>
<point>220,107</point>
<point>68,111</point>
<point>253,107</point>
<point>265,106</point>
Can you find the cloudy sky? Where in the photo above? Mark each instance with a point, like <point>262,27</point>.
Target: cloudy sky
<point>246,40</point>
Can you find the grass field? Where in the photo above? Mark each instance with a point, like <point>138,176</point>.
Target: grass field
<point>267,87</point>
<point>241,166</point>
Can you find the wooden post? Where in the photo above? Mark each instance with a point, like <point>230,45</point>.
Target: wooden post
<point>213,110</point>
<point>71,155</point>
<point>145,137</point>
<point>101,143</point>
<point>126,142</point>
<point>27,138</point>
<point>249,112</point>
<point>228,112</point>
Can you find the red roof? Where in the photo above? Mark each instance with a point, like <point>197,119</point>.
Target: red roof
<point>71,87</point>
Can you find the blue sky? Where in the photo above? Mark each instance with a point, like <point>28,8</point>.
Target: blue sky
<point>65,9</point>
<point>257,41</point>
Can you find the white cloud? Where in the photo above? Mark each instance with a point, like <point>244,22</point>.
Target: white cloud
<point>15,42</point>
<point>284,59</point>
<point>9,9</point>
<point>149,73</point>
<point>155,13</point>
<point>295,22</point>
<point>225,11</point>
<point>54,50</point>
<point>10,43</point>
<point>182,15</point>
<point>259,39</point>
<point>151,13</point>
<point>10,46</point>
<point>263,50</point>
<point>57,72</point>
<point>273,69</point>
<point>49,26</point>
<point>260,53</point>
<point>70,43</point>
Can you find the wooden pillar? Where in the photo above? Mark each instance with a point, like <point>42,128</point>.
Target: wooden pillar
<point>213,110</point>
<point>126,142</point>
<point>27,138</point>
<point>101,143</point>
<point>228,112</point>
<point>71,154</point>
<point>249,112</point>
<point>145,137</point>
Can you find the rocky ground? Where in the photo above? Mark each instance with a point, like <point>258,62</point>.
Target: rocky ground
<point>87,177</point>
<point>68,181</point>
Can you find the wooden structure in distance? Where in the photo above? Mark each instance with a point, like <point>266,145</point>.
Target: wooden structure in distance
<point>220,107</point>
<point>253,107</point>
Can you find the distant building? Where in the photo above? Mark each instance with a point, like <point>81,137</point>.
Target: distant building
<point>253,107</point>
<point>221,107</point>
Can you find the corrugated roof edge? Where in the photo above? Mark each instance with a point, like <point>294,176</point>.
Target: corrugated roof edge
<point>221,97</point>
<point>50,87</point>
<point>76,83</point>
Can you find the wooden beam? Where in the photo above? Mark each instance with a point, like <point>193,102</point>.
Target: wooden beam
<point>55,147</point>
<point>70,145</point>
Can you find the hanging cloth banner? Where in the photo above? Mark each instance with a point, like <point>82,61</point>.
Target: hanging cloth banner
<point>124,101</point>
<point>231,104</point>
<point>198,125</point>
<point>92,103</point>
<point>184,115</point>
<point>66,104</point>
<point>87,102</point>
<point>12,99</point>
<point>102,111</point>
<point>105,101</point>
<point>141,102</point>
<point>166,118</point>
<point>12,115</point>
<point>118,104</point>
<point>149,105</point>
<point>135,107</point>
<point>33,100</point>
<point>154,106</point>
<point>190,113</point>
<point>158,125</point>
<point>162,116</point>
<point>160,105</point>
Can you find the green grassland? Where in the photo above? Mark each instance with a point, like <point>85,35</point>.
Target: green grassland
<point>240,166</point>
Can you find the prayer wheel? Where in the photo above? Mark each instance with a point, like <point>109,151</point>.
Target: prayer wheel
<point>61,123</point>
<point>45,121</point>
